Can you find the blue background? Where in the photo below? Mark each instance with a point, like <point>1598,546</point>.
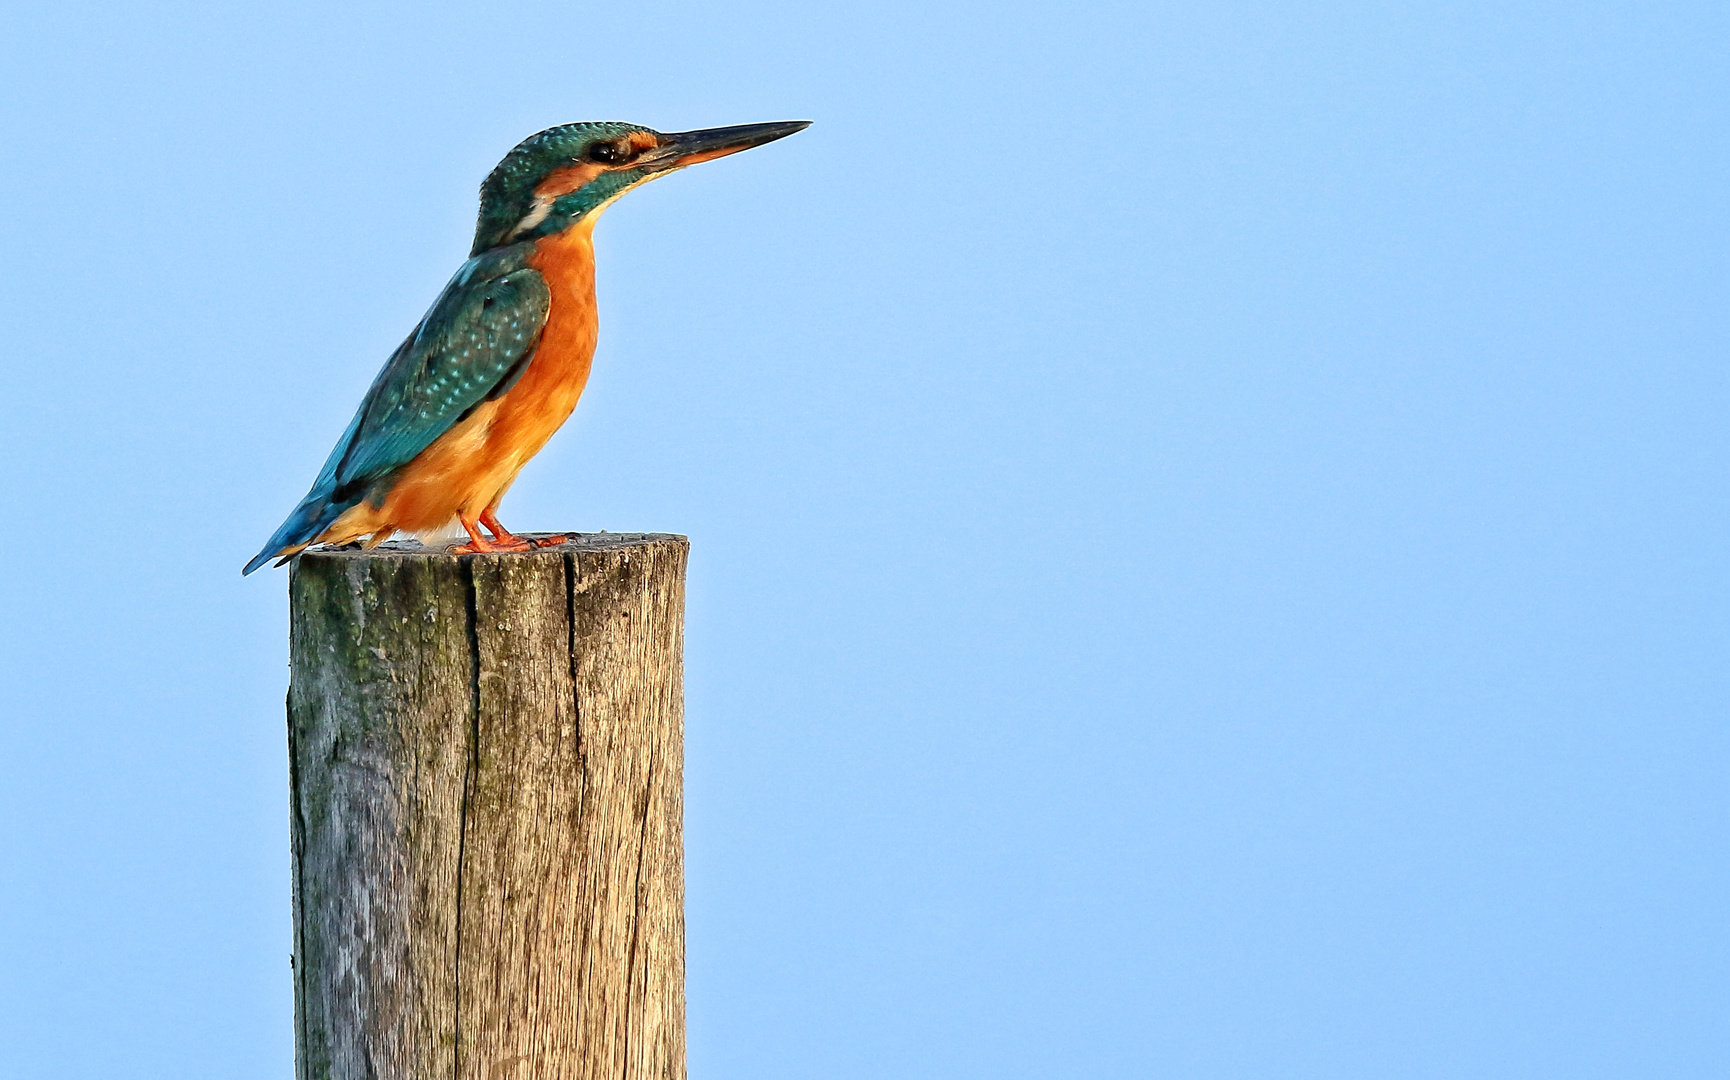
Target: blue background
<point>1208,521</point>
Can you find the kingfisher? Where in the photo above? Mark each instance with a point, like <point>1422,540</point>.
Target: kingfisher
<point>498,362</point>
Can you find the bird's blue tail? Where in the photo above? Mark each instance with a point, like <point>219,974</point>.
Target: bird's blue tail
<point>314,515</point>
<point>318,510</point>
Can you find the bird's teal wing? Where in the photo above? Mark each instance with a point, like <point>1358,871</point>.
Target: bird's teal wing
<point>472,346</point>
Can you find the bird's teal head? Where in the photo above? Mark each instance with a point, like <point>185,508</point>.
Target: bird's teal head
<point>556,178</point>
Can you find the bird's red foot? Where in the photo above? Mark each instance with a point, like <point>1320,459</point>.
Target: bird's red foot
<point>501,543</point>
<point>482,546</point>
<point>504,536</point>
<point>503,539</point>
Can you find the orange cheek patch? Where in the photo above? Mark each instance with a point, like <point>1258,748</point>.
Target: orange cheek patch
<point>564,181</point>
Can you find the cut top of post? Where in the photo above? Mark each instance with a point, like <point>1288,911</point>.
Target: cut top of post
<point>414,549</point>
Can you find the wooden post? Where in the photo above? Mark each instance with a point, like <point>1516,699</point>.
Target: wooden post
<point>486,768</point>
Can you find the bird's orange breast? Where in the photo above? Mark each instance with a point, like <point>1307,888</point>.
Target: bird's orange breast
<point>543,398</point>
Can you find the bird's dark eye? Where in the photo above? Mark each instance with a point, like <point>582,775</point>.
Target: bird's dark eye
<point>611,153</point>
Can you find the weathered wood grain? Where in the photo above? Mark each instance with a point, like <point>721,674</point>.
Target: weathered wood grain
<point>487,769</point>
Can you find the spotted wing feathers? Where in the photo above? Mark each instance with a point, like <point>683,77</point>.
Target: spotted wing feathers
<point>471,347</point>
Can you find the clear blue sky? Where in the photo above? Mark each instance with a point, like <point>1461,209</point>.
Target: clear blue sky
<point>1208,521</point>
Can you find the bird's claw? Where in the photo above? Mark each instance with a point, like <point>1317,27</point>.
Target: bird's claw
<point>491,547</point>
<point>482,546</point>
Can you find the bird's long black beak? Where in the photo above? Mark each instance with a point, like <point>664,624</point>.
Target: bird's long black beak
<point>682,148</point>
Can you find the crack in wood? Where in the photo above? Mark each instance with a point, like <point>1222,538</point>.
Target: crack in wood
<point>472,624</point>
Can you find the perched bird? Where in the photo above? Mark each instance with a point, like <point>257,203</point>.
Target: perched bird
<point>499,361</point>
